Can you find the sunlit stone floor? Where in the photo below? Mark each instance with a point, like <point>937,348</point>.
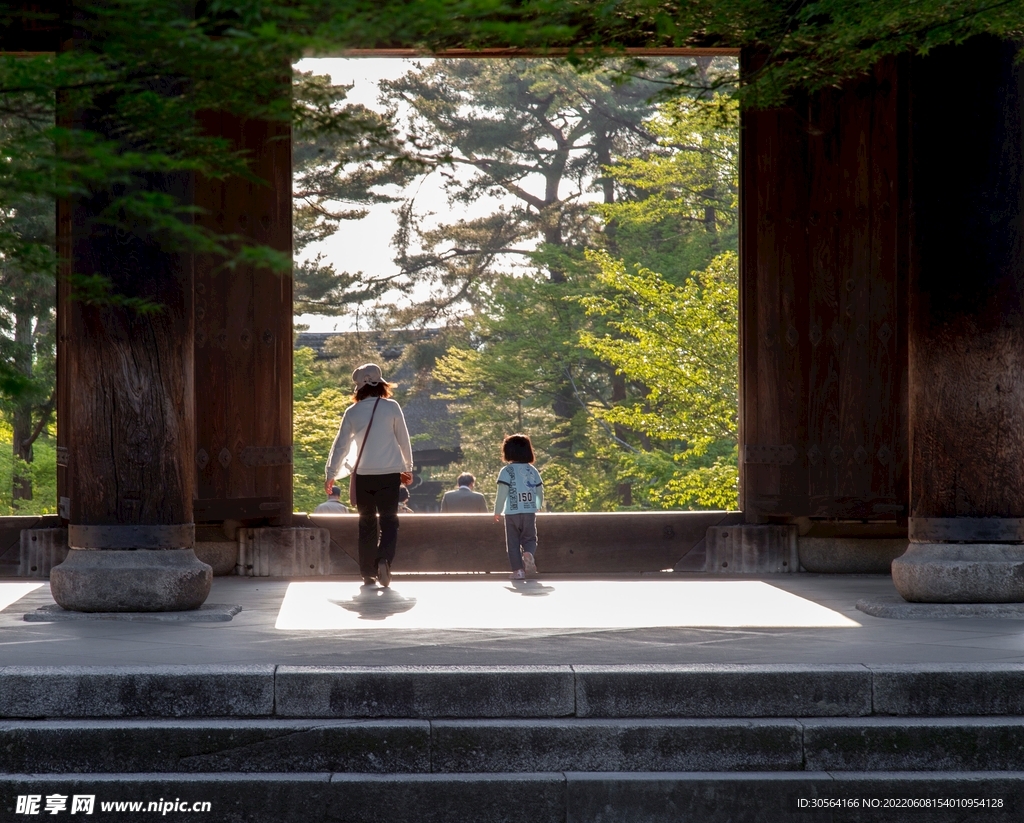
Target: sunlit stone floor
<point>488,620</point>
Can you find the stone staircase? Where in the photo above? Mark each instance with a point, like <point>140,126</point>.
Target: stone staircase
<point>534,743</point>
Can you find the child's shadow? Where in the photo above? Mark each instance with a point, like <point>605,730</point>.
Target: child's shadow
<point>376,604</point>
<point>529,588</point>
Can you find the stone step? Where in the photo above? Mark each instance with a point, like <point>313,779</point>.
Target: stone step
<point>513,746</point>
<point>428,692</point>
<point>565,797</point>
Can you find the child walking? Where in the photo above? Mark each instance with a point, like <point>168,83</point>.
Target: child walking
<point>520,496</point>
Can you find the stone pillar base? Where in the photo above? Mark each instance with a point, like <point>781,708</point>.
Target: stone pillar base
<point>960,573</point>
<point>744,549</point>
<point>284,552</point>
<point>41,551</point>
<point>140,580</point>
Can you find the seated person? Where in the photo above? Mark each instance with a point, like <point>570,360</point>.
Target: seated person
<point>463,500</point>
<point>333,504</point>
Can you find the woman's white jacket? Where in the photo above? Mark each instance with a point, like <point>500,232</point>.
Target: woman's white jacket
<point>388,449</point>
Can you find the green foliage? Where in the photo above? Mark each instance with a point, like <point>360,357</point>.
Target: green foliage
<point>518,369</point>
<point>541,135</point>
<point>572,351</point>
<point>815,45</point>
<point>682,343</point>
<point>535,132</point>
<point>42,472</point>
<point>679,341</point>
<point>318,406</point>
<point>679,202</point>
<point>27,323</point>
<point>662,478</point>
<point>336,174</point>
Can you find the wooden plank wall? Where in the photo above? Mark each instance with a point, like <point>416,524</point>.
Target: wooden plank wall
<point>243,349</point>
<point>823,305</point>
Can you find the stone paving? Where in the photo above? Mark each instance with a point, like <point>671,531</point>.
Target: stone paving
<point>465,620</point>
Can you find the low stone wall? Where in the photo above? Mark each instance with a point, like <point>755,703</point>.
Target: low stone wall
<point>570,543</point>
<point>850,555</point>
<point>576,543</point>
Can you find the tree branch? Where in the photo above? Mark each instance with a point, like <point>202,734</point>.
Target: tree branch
<point>47,410</point>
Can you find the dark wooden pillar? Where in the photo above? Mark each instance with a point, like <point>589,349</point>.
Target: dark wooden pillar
<point>229,330</point>
<point>126,417</point>
<point>967,327</point>
<point>243,341</point>
<point>823,310</point>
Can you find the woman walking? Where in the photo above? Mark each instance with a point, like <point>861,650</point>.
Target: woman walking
<point>373,447</point>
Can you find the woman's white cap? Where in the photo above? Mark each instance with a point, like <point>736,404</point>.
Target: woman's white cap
<point>368,375</point>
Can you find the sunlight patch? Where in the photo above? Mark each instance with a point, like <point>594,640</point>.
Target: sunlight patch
<point>558,604</point>
<point>13,592</point>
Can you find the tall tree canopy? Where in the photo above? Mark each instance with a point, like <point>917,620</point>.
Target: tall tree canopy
<point>681,343</point>
<point>534,132</point>
<point>545,354</point>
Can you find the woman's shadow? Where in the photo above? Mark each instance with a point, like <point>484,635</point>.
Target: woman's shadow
<point>373,603</point>
<point>529,588</point>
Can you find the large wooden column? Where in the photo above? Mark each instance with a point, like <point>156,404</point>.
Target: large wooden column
<point>966,327</point>
<point>822,305</point>
<point>243,341</point>
<point>126,418</point>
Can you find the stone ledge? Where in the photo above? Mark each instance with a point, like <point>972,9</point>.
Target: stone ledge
<point>953,690</point>
<point>702,690</point>
<point>849,555</point>
<point>136,691</point>
<point>207,613</point>
<point>518,692</point>
<point>874,744</point>
<point>577,744</point>
<point>896,608</point>
<point>427,691</point>
<point>203,746</point>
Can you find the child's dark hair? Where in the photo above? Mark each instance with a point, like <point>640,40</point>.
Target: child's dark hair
<point>382,389</point>
<point>517,448</point>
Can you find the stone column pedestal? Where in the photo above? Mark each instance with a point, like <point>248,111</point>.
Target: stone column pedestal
<point>131,569</point>
<point>960,573</point>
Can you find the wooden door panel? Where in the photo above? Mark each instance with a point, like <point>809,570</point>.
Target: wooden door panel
<point>822,305</point>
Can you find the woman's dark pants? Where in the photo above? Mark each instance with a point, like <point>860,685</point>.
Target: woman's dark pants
<point>377,496</point>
